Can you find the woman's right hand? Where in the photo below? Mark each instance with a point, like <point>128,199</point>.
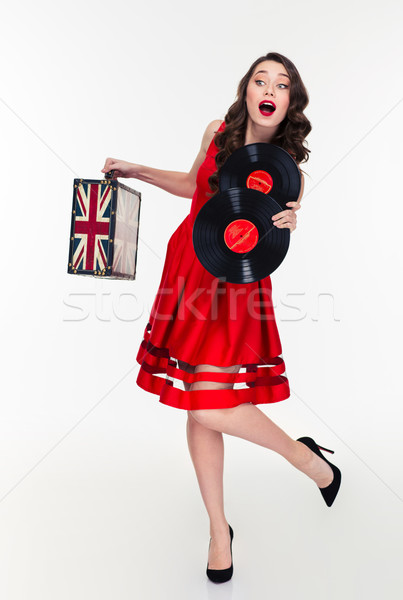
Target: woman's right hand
<point>122,168</point>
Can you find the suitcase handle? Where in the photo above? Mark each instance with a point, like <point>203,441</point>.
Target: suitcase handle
<point>110,174</point>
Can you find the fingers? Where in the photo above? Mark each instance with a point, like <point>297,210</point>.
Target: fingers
<point>108,165</point>
<point>284,213</point>
<point>286,218</point>
<point>295,205</point>
<point>291,225</point>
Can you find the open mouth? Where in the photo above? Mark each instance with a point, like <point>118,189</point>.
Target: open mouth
<point>267,107</point>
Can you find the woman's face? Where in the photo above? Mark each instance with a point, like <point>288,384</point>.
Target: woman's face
<point>269,83</point>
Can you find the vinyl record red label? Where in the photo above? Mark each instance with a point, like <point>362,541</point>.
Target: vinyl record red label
<point>241,235</point>
<point>260,180</point>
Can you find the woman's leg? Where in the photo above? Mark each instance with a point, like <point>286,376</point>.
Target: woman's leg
<point>207,452</point>
<point>206,448</point>
<point>248,422</point>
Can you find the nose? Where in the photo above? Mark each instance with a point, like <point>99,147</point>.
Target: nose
<point>269,91</point>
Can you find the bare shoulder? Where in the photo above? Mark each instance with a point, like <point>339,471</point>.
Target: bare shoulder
<point>209,133</point>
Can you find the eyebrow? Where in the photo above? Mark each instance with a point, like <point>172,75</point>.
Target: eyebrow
<point>284,74</point>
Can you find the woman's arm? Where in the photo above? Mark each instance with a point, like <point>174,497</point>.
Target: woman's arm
<point>297,204</point>
<point>288,218</point>
<point>174,182</point>
<point>301,193</point>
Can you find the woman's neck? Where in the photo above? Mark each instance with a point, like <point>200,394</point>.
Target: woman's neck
<point>256,133</point>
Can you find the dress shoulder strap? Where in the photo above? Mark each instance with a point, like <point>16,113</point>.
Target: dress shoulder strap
<point>212,143</point>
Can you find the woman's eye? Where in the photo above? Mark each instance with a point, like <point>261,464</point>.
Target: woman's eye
<point>259,81</point>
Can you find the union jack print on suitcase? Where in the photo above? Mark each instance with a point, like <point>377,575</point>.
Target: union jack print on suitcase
<point>104,229</point>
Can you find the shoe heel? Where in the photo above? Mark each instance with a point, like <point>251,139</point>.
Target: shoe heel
<point>222,575</point>
<point>330,492</point>
<point>327,449</point>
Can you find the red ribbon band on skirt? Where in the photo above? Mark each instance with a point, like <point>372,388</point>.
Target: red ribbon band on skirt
<point>265,383</point>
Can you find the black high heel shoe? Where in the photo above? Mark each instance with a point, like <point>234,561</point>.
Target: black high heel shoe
<point>329,493</point>
<point>221,575</point>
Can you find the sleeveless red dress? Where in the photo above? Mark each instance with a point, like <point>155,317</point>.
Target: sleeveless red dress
<point>198,319</point>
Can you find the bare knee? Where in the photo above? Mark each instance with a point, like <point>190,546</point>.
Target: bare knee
<point>210,416</point>
<point>191,417</point>
<point>197,419</point>
<point>198,415</point>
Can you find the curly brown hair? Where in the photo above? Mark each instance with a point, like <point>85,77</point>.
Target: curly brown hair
<point>291,132</point>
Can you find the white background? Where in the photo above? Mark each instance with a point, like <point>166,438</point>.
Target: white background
<point>98,493</point>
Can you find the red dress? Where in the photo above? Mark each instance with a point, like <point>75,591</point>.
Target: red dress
<point>199,319</point>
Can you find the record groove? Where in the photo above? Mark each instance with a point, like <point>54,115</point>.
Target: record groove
<point>263,167</point>
<point>244,211</point>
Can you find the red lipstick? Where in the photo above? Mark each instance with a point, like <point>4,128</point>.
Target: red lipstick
<point>267,107</point>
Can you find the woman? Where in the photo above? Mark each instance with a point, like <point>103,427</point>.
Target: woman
<point>216,343</point>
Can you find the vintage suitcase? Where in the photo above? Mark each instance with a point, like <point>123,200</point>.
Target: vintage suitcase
<point>104,229</point>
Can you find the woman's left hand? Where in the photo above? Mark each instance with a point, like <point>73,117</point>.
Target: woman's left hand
<point>287,218</point>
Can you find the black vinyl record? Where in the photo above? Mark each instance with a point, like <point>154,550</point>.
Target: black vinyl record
<point>234,237</point>
<point>263,167</point>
